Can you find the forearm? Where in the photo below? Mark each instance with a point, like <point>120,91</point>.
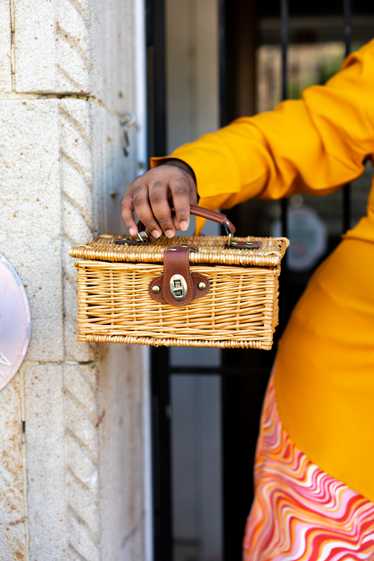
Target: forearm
<point>312,145</point>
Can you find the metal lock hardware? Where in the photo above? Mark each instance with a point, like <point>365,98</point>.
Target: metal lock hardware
<point>178,287</point>
<point>127,121</point>
<point>140,239</point>
<point>243,244</point>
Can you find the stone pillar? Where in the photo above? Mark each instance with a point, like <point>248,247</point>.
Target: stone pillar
<point>71,421</point>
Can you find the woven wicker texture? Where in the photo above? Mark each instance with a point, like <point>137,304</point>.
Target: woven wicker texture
<point>240,309</point>
<point>210,249</point>
<point>114,306</point>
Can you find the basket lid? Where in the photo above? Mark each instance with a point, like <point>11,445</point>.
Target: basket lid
<point>265,252</point>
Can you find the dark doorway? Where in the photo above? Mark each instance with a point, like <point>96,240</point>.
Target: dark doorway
<point>207,405</point>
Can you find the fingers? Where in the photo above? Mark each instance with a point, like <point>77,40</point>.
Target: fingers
<point>158,197</point>
<point>143,210</point>
<point>152,196</point>
<point>127,214</point>
<point>181,196</point>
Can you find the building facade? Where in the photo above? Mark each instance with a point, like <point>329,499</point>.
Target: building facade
<point>72,484</point>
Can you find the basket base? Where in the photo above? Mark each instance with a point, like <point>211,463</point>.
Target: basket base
<point>264,345</point>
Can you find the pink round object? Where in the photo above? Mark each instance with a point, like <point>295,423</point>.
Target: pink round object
<point>15,322</point>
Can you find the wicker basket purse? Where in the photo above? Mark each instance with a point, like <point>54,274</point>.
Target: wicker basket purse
<point>199,291</point>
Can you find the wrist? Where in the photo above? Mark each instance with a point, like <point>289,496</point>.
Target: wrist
<point>181,165</point>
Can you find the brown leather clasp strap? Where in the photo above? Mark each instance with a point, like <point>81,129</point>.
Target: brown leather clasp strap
<point>177,286</point>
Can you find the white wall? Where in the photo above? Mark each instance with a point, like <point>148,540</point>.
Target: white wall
<point>71,485</point>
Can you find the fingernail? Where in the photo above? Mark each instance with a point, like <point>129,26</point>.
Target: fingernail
<point>133,231</point>
<point>169,233</point>
<point>156,234</point>
<point>184,225</point>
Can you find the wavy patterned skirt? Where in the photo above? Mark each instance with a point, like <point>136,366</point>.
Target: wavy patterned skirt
<point>301,513</point>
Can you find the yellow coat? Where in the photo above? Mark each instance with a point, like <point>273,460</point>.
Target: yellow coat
<point>324,372</point>
<point>313,145</point>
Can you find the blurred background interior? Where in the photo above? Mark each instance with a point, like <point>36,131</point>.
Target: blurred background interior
<point>214,61</point>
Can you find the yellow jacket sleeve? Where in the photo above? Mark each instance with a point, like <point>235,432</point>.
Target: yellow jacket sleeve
<point>311,145</point>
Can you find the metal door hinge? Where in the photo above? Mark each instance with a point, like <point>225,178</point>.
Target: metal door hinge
<point>127,121</point>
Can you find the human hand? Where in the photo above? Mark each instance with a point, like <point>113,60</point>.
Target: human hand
<point>153,195</point>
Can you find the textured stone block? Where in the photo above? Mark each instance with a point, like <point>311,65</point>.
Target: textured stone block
<point>75,491</point>
<point>78,224</point>
<point>30,213</point>
<point>84,453</point>
<point>81,421</point>
<point>13,532</point>
<point>45,456</point>
<point>114,59</point>
<point>51,37</point>
<point>34,45</point>
<point>5,47</point>
<point>76,46</point>
<point>122,453</point>
<point>46,202</point>
<point>112,170</point>
<point>94,172</point>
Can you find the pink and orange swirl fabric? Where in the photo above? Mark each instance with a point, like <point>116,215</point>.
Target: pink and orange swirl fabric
<point>300,513</point>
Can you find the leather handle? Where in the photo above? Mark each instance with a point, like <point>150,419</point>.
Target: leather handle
<point>214,216</point>
<point>207,214</point>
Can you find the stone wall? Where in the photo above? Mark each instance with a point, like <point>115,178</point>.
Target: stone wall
<point>71,421</point>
